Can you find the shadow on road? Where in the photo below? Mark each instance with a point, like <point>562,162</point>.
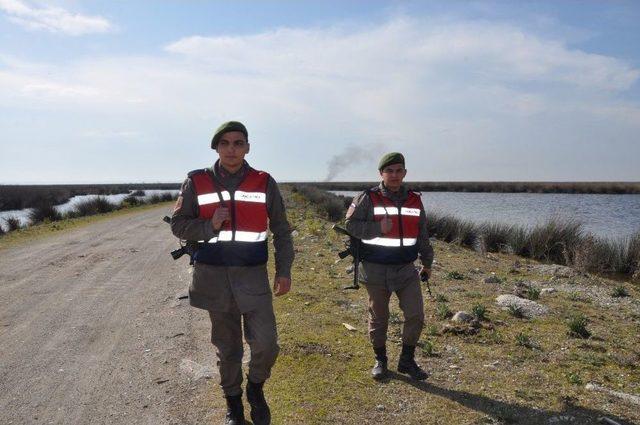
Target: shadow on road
<point>513,413</point>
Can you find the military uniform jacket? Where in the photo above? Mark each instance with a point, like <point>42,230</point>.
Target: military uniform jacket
<point>361,222</point>
<point>217,287</point>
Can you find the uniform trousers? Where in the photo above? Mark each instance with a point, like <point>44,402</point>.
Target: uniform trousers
<point>384,280</point>
<point>259,332</point>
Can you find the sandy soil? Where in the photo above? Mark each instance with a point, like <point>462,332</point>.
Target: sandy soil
<point>92,330</point>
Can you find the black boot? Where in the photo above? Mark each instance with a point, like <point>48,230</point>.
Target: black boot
<point>260,413</point>
<point>380,370</point>
<point>235,410</point>
<point>408,365</point>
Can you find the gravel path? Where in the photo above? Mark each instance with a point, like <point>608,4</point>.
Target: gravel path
<point>92,330</point>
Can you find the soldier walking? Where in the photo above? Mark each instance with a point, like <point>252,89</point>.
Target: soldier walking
<point>390,220</point>
<point>228,209</point>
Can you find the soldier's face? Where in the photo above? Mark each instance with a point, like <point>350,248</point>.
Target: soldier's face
<point>232,148</point>
<point>392,176</point>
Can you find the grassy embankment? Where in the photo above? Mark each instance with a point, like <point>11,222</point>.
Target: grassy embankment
<point>513,370</point>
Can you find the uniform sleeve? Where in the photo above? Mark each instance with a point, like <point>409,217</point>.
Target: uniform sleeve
<point>279,226</point>
<point>185,223</point>
<point>424,246</point>
<point>360,222</point>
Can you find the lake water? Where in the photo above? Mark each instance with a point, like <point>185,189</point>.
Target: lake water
<point>611,216</point>
<point>70,205</point>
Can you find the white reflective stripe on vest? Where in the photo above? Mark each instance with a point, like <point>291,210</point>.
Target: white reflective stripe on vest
<point>241,236</point>
<point>410,211</point>
<point>259,197</point>
<point>385,211</point>
<point>390,241</point>
<point>212,198</point>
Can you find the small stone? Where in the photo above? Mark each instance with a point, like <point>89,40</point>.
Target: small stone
<point>462,317</point>
<point>380,407</point>
<point>528,308</point>
<point>294,233</point>
<point>349,327</point>
<point>547,290</point>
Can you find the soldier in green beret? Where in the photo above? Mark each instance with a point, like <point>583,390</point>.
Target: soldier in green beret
<point>228,208</point>
<point>391,222</point>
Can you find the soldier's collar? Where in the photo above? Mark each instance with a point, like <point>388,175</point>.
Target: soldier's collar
<point>219,170</point>
<point>401,192</point>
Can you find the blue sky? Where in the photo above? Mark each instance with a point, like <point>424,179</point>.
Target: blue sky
<point>131,91</point>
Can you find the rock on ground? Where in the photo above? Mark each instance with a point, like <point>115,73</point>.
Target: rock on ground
<point>528,308</point>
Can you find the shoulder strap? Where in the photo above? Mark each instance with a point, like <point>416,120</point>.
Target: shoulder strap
<point>217,185</point>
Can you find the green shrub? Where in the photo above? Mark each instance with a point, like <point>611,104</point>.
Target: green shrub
<point>532,293</point>
<point>574,378</point>
<point>455,275</point>
<point>479,311</point>
<point>443,312</point>
<point>441,298</point>
<point>523,340</point>
<point>516,311</point>
<point>495,236</point>
<point>578,326</point>
<point>45,211</point>
<point>131,201</point>
<point>98,205</point>
<point>333,206</point>
<point>619,292</point>
<point>427,348</point>
<point>432,330</point>
<point>13,223</point>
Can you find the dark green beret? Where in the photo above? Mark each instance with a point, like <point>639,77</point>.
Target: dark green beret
<point>390,159</point>
<point>225,128</point>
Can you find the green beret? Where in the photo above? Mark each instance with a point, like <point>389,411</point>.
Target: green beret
<point>389,159</point>
<point>225,128</point>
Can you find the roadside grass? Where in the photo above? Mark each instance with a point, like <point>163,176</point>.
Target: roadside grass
<point>323,372</point>
<point>48,228</point>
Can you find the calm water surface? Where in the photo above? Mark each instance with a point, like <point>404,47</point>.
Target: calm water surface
<point>612,216</point>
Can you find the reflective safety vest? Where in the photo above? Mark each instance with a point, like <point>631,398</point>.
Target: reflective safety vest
<point>242,240</point>
<point>400,245</point>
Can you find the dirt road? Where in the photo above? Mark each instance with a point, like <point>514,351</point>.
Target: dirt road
<point>92,330</point>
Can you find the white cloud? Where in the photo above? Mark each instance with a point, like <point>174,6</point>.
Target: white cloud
<point>53,19</point>
<point>463,100</point>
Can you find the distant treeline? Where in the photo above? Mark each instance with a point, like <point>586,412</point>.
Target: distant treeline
<point>17,197</point>
<point>503,187</point>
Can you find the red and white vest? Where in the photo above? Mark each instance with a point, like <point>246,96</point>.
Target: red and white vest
<point>242,240</point>
<point>400,245</point>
